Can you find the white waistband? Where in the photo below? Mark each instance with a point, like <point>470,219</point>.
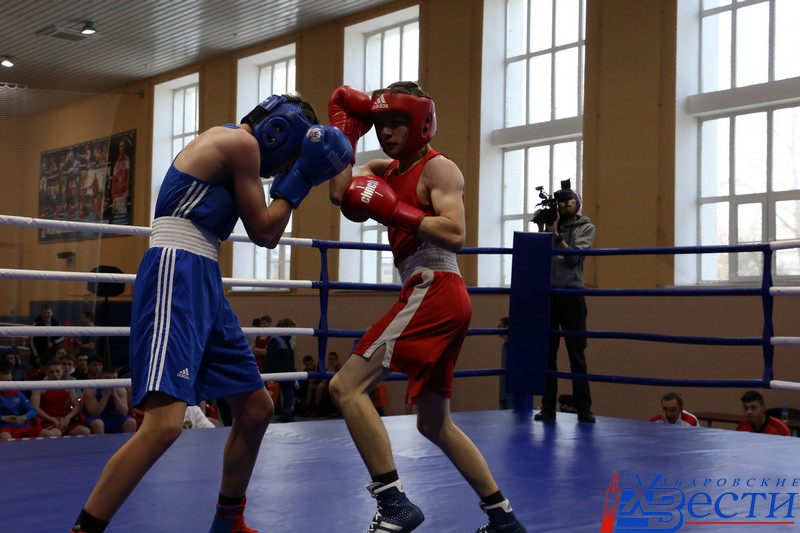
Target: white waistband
<point>174,232</point>
<point>436,259</point>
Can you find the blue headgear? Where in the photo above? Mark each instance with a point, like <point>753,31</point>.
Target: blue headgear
<point>279,127</point>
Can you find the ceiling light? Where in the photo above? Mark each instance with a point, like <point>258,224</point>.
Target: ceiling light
<point>7,62</point>
<point>88,28</point>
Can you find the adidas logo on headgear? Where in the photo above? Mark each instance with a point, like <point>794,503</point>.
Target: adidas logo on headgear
<point>380,103</point>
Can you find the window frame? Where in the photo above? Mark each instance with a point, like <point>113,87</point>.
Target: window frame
<point>697,107</point>
<point>163,129</point>
<point>498,138</point>
<point>250,260</point>
<point>369,266</point>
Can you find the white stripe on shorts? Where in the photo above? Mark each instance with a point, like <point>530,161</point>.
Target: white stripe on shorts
<point>161,320</point>
<point>396,327</point>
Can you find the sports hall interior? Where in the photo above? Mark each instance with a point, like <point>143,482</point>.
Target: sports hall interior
<point>630,162</point>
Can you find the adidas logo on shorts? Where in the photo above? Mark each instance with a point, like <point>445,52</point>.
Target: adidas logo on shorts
<point>184,374</point>
<point>380,103</point>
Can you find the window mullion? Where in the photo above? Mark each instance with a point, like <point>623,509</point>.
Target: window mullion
<point>734,38</point>
<point>771,46</point>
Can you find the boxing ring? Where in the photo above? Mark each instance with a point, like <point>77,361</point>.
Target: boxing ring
<point>616,475</point>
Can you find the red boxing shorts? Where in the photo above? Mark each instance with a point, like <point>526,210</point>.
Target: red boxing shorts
<point>423,332</point>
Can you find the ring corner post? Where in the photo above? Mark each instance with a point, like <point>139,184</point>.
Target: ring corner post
<point>324,292</point>
<point>529,317</point>
<point>768,330</point>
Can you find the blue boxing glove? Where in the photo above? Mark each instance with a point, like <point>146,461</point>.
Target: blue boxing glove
<point>325,152</point>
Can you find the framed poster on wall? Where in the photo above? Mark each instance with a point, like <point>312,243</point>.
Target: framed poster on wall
<point>87,182</point>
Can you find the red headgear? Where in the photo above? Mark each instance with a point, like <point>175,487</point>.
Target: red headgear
<point>421,114</point>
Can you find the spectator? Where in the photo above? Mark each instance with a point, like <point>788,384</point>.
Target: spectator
<point>134,411</point>
<point>211,411</point>
<point>306,389</point>
<point>323,406</point>
<point>505,398</point>
<point>224,415</point>
<point>17,416</point>
<point>195,418</point>
<point>67,367</point>
<point>96,365</point>
<point>60,353</point>
<point>108,408</point>
<point>36,370</point>
<point>81,366</point>
<point>260,342</point>
<point>256,323</point>
<point>280,358</point>
<point>14,362</point>
<point>87,343</point>
<point>672,412</point>
<point>757,420</point>
<point>332,363</point>
<point>59,409</point>
<point>45,346</point>
<point>379,397</point>
<point>567,311</point>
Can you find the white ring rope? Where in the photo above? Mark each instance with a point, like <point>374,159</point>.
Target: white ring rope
<point>785,341</point>
<point>44,223</point>
<point>784,291</point>
<point>118,382</point>
<point>115,229</point>
<point>785,245</point>
<point>124,331</point>
<point>784,385</point>
<point>268,283</point>
<point>103,277</point>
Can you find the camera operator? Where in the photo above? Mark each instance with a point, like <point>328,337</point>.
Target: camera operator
<point>567,311</point>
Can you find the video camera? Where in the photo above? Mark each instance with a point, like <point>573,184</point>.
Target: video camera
<point>549,211</point>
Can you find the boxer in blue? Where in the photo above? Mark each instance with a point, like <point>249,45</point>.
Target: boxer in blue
<point>186,344</point>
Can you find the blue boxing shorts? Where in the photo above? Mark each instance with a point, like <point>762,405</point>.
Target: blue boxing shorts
<point>185,338</point>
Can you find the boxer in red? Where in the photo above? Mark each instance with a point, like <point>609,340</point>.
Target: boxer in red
<point>418,193</point>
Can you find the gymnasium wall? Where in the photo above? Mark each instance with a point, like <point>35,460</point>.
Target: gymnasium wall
<point>628,192</point>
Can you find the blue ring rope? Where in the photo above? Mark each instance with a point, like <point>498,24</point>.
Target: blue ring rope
<point>710,291</point>
<point>635,380</point>
<point>657,337</point>
<point>325,286</point>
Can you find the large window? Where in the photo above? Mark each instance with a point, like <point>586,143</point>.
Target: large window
<point>176,121</point>
<point>377,52</point>
<point>742,116</point>
<point>259,77</point>
<point>534,133</point>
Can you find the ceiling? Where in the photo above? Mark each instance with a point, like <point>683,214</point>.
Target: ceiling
<point>135,40</point>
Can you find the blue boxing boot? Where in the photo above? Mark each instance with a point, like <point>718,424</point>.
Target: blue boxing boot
<point>501,519</point>
<point>395,512</point>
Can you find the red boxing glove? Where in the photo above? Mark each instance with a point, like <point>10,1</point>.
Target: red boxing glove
<point>372,197</point>
<point>348,110</point>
